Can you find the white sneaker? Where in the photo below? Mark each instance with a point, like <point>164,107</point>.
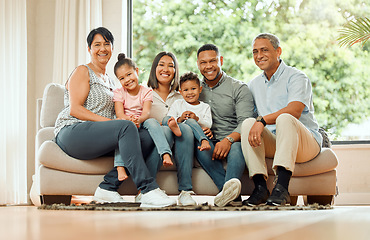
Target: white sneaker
<point>138,197</point>
<point>156,199</point>
<point>185,198</point>
<point>102,195</point>
<point>230,191</point>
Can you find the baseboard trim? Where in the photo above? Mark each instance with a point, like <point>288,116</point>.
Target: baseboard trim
<point>352,199</point>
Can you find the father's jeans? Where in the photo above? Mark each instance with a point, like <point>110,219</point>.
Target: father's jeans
<point>183,156</point>
<point>215,169</point>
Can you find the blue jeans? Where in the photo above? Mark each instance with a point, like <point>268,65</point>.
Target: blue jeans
<point>158,136</point>
<point>214,168</point>
<point>89,140</point>
<point>195,127</point>
<point>183,149</point>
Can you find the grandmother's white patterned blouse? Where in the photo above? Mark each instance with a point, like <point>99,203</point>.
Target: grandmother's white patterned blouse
<point>99,101</point>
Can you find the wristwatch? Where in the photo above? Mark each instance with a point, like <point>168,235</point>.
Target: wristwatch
<point>230,139</point>
<point>260,119</point>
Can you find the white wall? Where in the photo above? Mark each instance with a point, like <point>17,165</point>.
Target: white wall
<point>353,175</point>
<point>40,44</point>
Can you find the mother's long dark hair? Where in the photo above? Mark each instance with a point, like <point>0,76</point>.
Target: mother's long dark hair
<point>153,81</point>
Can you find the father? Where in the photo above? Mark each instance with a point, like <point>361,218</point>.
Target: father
<point>285,129</point>
<point>231,103</point>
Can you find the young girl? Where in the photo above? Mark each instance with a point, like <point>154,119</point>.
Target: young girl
<point>133,102</point>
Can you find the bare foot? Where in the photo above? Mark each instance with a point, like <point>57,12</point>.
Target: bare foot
<point>174,126</point>
<point>122,175</point>
<point>167,161</point>
<point>204,145</point>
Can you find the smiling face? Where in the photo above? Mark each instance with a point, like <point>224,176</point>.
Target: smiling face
<point>100,50</point>
<point>128,77</point>
<point>209,65</point>
<point>165,70</point>
<point>266,56</point>
<point>190,91</point>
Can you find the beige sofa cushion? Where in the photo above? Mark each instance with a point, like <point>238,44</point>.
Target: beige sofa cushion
<point>52,104</point>
<point>52,156</point>
<point>324,162</point>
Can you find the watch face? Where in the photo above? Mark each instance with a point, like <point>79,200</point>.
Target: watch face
<point>230,139</point>
<point>259,118</point>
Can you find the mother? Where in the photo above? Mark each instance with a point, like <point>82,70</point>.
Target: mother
<point>85,128</point>
<point>164,80</point>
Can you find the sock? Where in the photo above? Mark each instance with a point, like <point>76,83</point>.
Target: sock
<point>284,176</point>
<point>259,179</point>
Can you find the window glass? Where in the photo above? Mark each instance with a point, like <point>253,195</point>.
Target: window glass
<point>307,29</point>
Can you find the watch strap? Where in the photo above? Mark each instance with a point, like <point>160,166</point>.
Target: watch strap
<point>260,119</point>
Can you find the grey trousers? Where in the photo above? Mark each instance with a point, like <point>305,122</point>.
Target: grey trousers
<point>89,140</point>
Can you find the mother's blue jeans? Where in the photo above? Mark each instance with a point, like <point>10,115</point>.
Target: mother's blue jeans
<point>183,155</point>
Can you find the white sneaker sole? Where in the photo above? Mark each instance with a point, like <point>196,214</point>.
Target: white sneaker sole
<point>187,204</point>
<point>143,205</point>
<point>230,191</point>
<point>99,200</point>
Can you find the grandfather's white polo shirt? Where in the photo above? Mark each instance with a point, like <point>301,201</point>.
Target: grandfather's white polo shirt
<point>288,84</point>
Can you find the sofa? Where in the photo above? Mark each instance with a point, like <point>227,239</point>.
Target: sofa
<point>59,176</point>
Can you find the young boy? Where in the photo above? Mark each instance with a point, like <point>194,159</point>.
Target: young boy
<point>190,110</point>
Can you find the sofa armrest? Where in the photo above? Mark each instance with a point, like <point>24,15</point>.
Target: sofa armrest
<point>38,112</point>
<point>43,135</point>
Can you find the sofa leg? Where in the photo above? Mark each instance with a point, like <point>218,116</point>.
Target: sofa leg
<point>293,200</point>
<point>320,199</point>
<point>51,199</point>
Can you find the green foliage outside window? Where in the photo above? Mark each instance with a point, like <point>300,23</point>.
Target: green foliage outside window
<point>307,29</point>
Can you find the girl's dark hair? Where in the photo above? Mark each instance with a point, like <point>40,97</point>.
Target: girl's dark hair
<point>107,35</point>
<point>153,81</point>
<point>189,76</point>
<point>123,60</point>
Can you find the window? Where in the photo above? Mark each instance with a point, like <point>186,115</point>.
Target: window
<point>307,30</point>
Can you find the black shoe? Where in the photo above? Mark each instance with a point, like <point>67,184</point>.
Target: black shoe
<point>237,202</point>
<point>260,195</point>
<point>279,196</point>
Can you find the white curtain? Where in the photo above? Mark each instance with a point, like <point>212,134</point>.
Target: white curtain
<point>13,102</point>
<point>74,19</point>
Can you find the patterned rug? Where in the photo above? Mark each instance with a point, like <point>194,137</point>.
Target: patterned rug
<point>202,207</point>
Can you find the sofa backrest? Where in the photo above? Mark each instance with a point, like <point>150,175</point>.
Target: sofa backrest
<point>52,104</point>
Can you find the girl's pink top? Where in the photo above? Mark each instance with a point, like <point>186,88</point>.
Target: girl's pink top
<point>133,105</point>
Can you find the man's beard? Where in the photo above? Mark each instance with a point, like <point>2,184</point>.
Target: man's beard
<point>218,74</point>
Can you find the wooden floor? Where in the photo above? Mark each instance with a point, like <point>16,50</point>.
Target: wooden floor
<point>27,222</point>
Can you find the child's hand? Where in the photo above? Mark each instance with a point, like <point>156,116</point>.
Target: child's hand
<point>184,116</point>
<point>193,116</point>
<point>208,132</point>
<point>135,119</point>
